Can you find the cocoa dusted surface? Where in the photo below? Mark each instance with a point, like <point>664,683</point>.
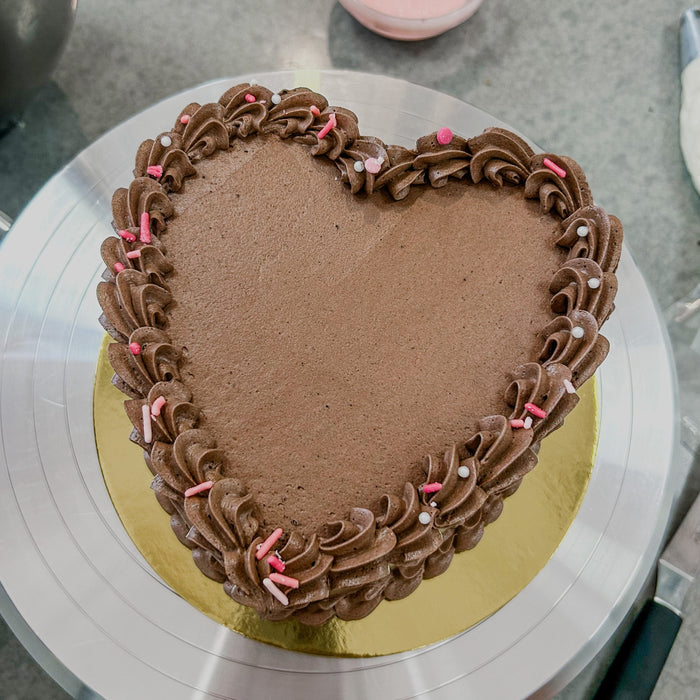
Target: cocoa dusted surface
<point>334,340</point>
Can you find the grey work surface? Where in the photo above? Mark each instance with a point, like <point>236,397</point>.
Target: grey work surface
<point>588,81</point>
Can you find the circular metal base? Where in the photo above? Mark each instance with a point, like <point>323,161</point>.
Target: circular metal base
<point>76,578</point>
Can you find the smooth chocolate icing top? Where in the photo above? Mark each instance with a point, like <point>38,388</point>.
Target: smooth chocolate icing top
<point>313,347</point>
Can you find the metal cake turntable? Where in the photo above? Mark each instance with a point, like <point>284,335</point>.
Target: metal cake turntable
<point>90,609</point>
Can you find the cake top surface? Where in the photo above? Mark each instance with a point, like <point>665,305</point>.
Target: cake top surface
<point>333,342</point>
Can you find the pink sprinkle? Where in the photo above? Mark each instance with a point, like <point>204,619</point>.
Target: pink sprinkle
<point>372,165</point>
<point>266,546</point>
<point>276,564</point>
<point>145,227</point>
<point>147,430</point>
<point>444,136</point>
<point>315,111</point>
<point>284,580</point>
<point>198,488</point>
<point>330,124</point>
<point>185,119</point>
<point>127,236</point>
<point>557,170</point>
<point>517,423</point>
<point>135,348</point>
<point>133,254</point>
<point>155,170</point>
<point>118,267</point>
<point>570,388</point>
<point>535,410</point>
<point>432,488</point>
<point>527,423</point>
<point>249,98</point>
<point>157,405</point>
<point>275,591</point>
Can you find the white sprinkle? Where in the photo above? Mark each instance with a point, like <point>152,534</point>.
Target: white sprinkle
<point>147,430</point>
<point>191,533</point>
<point>424,518</point>
<point>166,141</point>
<point>463,471</point>
<point>253,81</point>
<point>275,99</point>
<point>594,283</point>
<point>433,504</point>
<point>380,160</point>
<point>359,166</point>
<point>275,591</point>
<point>577,332</point>
<point>570,388</point>
<point>527,423</point>
<point>582,231</point>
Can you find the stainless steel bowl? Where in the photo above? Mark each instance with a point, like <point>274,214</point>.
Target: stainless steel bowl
<point>33,34</point>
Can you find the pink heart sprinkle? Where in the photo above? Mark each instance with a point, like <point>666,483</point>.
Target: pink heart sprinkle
<point>372,165</point>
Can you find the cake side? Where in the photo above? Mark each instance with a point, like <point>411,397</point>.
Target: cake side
<point>348,566</point>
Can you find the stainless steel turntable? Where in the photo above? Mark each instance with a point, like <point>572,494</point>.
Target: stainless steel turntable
<point>87,604</point>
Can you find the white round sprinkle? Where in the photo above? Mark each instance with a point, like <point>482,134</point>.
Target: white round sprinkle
<point>166,141</point>
<point>275,99</point>
<point>463,472</point>
<point>527,423</point>
<point>594,283</point>
<point>577,332</point>
<point>582,231</point>
<point>424,518</point>
<point>359,166</point>
<point>433,504</point>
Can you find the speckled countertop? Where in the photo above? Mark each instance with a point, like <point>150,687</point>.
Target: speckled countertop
<point>597,81</point>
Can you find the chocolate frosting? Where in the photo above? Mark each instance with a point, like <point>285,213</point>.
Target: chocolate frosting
<point>349,565</point>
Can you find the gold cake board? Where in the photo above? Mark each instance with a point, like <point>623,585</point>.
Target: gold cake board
<point>478,582</point>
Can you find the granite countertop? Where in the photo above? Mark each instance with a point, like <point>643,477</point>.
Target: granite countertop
<point>597,81</point>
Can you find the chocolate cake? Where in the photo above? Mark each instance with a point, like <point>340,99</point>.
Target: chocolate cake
<point>341,356</point>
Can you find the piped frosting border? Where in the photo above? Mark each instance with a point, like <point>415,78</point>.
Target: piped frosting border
<point>348,566</point>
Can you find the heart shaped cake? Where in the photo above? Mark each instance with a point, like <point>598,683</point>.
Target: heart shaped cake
<point>341,356</point>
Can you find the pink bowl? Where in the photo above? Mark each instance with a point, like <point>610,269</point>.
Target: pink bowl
<point>410,20</point>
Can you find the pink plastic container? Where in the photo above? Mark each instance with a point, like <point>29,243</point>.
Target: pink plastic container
<point>410,20</point>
